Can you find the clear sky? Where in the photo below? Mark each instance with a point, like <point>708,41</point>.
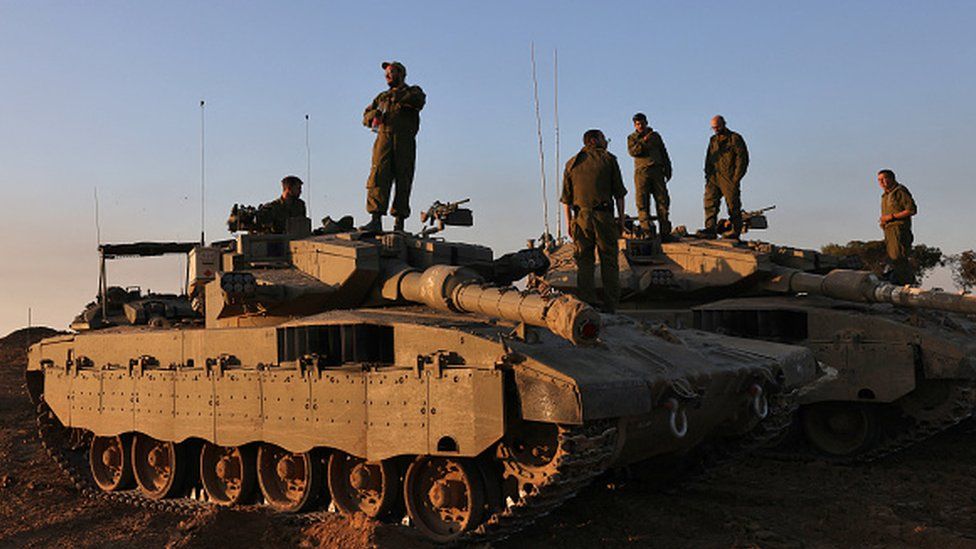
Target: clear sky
<point>106,95</point>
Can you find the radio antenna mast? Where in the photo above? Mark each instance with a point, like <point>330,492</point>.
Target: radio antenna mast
<point>555,79</point>
<point>542,154</point>
<point>102,284</point>
<point>308,168</point>
<point>203,179</point>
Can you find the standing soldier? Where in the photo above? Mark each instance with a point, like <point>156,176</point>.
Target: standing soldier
<point>897,209</point>
<point>652,171</point>
<point>395,117</point>
<point>592,187</point>
<point>726,162</point>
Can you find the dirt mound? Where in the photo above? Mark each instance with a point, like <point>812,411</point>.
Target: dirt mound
<point>13,347</point>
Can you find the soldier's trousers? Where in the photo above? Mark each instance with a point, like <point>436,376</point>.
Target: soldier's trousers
<point>650,182</point>
<point>597,231</point>
<point>717,187</point>
<point>394,158</point>
<point>898,245</point>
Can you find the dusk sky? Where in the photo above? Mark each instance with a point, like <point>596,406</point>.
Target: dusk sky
<point>106,95</point>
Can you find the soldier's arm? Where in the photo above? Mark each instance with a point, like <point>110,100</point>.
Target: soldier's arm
<point>664,155</point>
<point>371,112</point>
<point>567,200</point>
<point>907,205</point>
<point>634,145</point>
<point>708,166</point>
<point>741,160</point>
<point>619,191</point>
<point>414,97</point>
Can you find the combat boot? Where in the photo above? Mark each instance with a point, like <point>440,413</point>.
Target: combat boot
<point>375,225</point>
<point>398,224</point>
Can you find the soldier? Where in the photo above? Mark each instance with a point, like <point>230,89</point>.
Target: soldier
<point>897,209</point>
<point>592,187</point>
<point>395,117</point>
<point>652,171</point>
<point>726,162</point>
<point>286,206</point>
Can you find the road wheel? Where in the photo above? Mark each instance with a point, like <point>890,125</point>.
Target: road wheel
<point>159,466</point>
<point>228,474</point>
<point>445,497</point>
<point>111,468</point>
<point>290,482</point>
<point>358,486</point>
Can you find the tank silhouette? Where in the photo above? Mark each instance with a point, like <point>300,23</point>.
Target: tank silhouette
<point>905,358</point>
<point>389,374</point>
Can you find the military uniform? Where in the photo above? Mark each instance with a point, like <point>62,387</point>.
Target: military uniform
<point>395,148</point>
<point>898,233</point>
<point>726,162</point>
<point>591,183</point>
<point>279,211</point>
<point>652,170</point>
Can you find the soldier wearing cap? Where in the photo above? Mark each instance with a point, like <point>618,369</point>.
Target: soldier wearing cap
<point>592,187</point>
<point>652,171</point>
<point>286,206</point>
<point>395,117</point>
<point>897,209</point>
<point>726,162</point>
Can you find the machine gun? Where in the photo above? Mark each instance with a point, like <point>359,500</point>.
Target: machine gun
<point>251,219</point>
<point>440,215</point>
<point>753,219</point>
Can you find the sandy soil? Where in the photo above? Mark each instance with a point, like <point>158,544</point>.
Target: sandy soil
<point>925,497</point>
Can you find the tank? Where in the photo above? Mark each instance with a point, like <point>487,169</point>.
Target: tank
<point>903,358</point>
<point>391,374</point>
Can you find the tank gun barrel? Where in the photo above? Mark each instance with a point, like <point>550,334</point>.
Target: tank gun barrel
<point>864,287</point>
<point>452,288</point>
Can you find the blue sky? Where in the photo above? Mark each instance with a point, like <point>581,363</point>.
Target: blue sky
<point>106,95</point>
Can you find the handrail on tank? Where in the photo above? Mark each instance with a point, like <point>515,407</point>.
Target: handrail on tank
<point>864,287</point>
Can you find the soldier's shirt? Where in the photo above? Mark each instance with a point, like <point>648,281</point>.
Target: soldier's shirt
<point>282,210</point>
<point>727,156</point>
<point>898,199</point>
<point>400,107</point>
<point>592,179</point>
<point>650,153</point>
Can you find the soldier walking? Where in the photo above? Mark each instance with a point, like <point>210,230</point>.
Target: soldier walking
<point>897,209</point>
<point>726,161</point>
<point>652,171</point>
<point>395,117</point>
<point>592,187</point>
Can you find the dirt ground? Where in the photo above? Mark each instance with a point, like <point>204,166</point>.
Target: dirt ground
<point>925,497</point>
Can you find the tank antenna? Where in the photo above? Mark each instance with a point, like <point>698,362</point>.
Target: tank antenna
<point>555,81</point>
<point>101,258</point>
<point>203,180</point>
<point>542,154</point>
<point>308,168</point>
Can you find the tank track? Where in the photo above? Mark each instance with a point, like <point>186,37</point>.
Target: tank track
<point>776,425</point>
<point>584,453</point>
<point>956,409</point>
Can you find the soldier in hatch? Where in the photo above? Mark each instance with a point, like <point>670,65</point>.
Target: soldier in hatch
<point>286,206</point>
<point>395,117</point>
<point>592,188</point>
<point>726,162</point>
<point>897,209</point>
<point>652,171</point>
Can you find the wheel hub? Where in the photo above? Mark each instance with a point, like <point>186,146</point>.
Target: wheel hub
<point>446,494</point>
<point>110,457</point>
<point>286,468</point>
<point>359,477</point>
<point>227,469</point>
<point>157,457</point>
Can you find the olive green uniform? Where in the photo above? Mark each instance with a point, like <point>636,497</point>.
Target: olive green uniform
<point>898,233</point>
<point>726,162</point>
<point>279,211</point>
<point>652,170</point>
<point>591,183</point>
<point>395,148</point>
